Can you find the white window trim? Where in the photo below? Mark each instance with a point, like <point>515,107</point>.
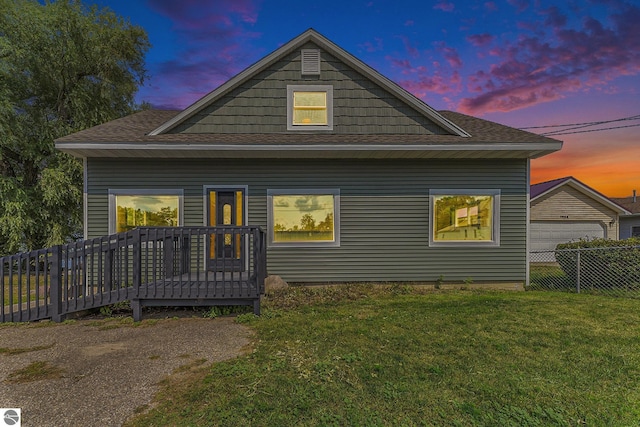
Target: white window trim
<point>494,242</point>
<point>113,192</point>
<point>304,192</point>
<point>328,89</point>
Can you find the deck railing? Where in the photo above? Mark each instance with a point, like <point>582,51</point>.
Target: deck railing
<point>225,263</point>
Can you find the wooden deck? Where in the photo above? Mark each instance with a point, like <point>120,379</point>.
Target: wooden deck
<point>205,288</point>
<point>164,266</point>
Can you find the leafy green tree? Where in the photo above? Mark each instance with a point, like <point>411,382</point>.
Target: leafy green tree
<point>64,67</point>
<point>307,222</point>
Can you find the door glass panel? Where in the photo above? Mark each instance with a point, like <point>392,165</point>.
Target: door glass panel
<point>226,213</point>
<point>212,223</point>
<point>238,221</point>
<point>226,220</point>
<point>226,208</point>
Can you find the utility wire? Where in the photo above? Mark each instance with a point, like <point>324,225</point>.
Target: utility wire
<point>572,128</point>
<point>584,123</point>
<point>585,131</point>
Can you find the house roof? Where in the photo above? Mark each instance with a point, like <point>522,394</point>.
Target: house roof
<point>130,137</point>
<point>628,203</point>
<point>148,133</point>
<point>542,188</point>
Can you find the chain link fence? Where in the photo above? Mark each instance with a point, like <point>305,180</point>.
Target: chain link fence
<point>613,271</point>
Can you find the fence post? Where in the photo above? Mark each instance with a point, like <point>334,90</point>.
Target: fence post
<point>578,273</point>
<point>137,261</point>
<point>56,284</point>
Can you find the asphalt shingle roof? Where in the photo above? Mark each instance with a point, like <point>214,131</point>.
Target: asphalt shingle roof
<point>135,128</point>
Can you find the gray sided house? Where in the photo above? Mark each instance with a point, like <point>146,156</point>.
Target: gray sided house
<point>565,210</point>
<point>351,177</point>
<point>629,224</point>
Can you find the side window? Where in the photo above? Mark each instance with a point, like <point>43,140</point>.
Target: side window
<point>464,217</point>
<point>304,217</point>
<point>129,209</point>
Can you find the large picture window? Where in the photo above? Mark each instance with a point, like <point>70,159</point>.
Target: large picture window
<point>304,217</point>
<point>309,107</point>
<point>465,217</point>
<point>129,209</point>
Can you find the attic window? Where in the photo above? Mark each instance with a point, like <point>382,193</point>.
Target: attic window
<point>309,107</point>
<point>310,62</point>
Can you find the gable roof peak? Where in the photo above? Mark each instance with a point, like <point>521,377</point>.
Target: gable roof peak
<point>542,188</point>
<point>311,35</point>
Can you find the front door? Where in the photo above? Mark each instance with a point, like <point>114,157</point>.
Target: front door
<point>226,250</point>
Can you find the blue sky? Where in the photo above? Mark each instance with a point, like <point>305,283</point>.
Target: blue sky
<point>520,63</point>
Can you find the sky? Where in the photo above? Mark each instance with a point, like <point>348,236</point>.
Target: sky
<point>525,64</point>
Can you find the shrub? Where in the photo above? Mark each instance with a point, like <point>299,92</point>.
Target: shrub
<point>603,263</point>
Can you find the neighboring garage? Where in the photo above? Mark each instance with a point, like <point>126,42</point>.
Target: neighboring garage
<point>565,210</point>
<point>545,235</point>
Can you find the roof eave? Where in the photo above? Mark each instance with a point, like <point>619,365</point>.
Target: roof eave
<point>300,151</point>
<point>572,182</point>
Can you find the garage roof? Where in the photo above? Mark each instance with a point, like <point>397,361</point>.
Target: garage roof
<point>542,188</point>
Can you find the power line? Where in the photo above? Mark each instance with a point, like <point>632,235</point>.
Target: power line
<point>572,128</point>
<point>589,130</point>
<point>584,123</point>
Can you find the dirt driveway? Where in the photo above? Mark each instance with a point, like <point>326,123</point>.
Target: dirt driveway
<point>103,371</point>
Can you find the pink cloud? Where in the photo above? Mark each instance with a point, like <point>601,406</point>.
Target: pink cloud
<point>422,82</point>
<point>520,5</point>
<point>541,67</point>
<point>450,55</point>
<point>411,50</point>
<point>373,46</point>
<point>436,83</point>
<point>215,39</point>
<point>480,39</point>
<point>491,6</point>
<point>445,6</point>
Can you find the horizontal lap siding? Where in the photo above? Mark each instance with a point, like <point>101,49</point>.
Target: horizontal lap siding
<point>569,204</point>
<point>384,212</point>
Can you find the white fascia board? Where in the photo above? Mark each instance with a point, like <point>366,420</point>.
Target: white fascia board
<point>184,147</point>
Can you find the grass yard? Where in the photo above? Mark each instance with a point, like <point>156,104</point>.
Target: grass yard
<point>21,287</point>
<point>372,356</point>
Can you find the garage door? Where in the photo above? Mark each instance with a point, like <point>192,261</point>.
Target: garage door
<point>546,235</point>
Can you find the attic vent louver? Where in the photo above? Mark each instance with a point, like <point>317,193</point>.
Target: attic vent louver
<point>310,62</point>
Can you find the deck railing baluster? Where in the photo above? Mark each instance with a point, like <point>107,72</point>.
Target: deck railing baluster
<point>152,265</point>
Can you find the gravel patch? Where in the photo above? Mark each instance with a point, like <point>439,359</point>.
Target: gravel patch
<point>111,367</point>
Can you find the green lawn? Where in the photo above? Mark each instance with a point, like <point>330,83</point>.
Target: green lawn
<point>21,287</point>
<point>365,356</point>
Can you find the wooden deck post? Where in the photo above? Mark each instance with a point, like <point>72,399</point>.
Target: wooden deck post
<point>56,284</point>
<point>137,262</point>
